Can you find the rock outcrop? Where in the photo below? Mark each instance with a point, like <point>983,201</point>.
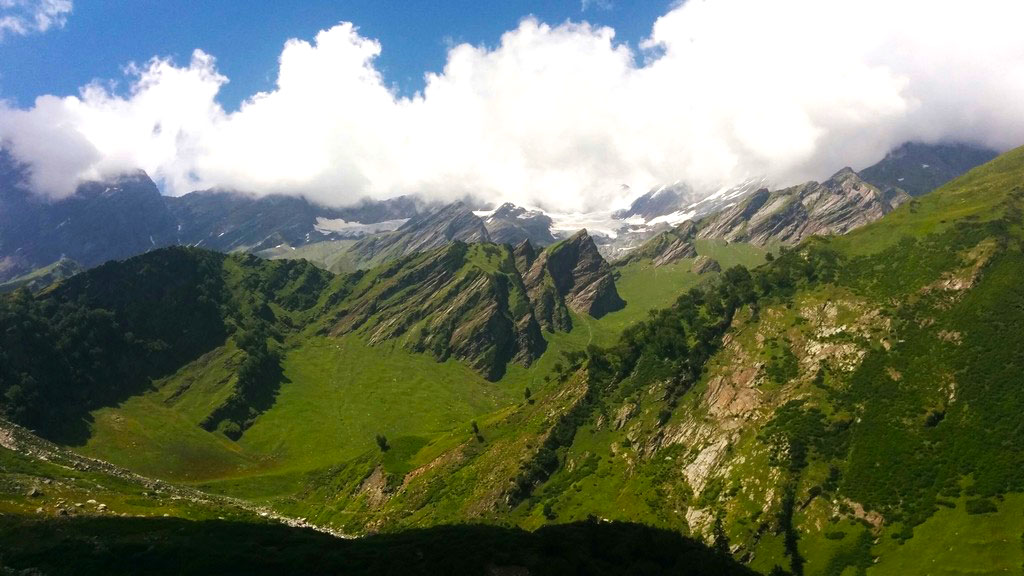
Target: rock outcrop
<point>840,204</point>
<point>578,274</point>
<point>704,265</point>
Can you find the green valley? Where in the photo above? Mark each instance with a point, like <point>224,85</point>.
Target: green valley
<point>845,405</point>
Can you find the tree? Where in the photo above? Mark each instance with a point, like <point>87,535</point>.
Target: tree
<point>476,429</point>
<point>528,394</point>
<point>382,443</point>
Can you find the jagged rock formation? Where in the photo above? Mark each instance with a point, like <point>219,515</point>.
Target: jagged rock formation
<point>704,265</point>
<point>462,301</point>
<point>422,233</point>
<point>483,304</point>
<point>575,271</point>
<point>511,224</point>
<point>919,168</point>
<point>840,204</point>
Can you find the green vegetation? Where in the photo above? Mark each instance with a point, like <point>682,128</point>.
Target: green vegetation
<point>848,406</point>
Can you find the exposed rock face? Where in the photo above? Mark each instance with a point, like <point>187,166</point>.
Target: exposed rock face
<point>423,233</point>
<point>704,265</point>
<point>511,224</point>
<point>836,206</point>
<point>919,168</point>
<point>578,274</point>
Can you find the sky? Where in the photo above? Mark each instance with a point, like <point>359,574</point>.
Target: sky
<point>565,105</point>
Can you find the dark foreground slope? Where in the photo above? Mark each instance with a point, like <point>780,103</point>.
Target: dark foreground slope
<point>171,546</point>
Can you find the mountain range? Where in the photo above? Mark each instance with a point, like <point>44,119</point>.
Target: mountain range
<point>822,379</point>
<point>127,216</point>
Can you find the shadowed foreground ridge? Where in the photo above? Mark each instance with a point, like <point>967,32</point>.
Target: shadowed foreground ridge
<point>173,546</point>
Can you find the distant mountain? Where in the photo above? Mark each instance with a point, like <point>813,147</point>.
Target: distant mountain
<point>126,215</point>
<point>511,224</point>
<point>667,247</point>
<point>102,221</point>
<point>840,204</point>
<point>422,233</point>
<point>660,202</point>
<point>919,168</point>
<point>228,221</point>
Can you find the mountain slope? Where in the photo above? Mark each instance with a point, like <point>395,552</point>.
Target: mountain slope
<point>919,168</point>
<point>40,278</point>
<point>229,222</point>
<point>461,301</point>
<point>102,221</point>
<point>570,275</point>
<point>840,204</point>
<point>420,234</point>
<point>829,411</point>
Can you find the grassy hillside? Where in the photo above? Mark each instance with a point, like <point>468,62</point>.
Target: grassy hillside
<point>854,417</point>
<point>849,407</point>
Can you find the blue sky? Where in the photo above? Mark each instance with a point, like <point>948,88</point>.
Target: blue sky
<point>101,36</point>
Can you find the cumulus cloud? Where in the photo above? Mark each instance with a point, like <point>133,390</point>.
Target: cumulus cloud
<point>561,116</point>
<point>22,17</point>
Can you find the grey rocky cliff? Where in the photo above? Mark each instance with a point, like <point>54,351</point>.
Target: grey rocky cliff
<point>840,204</point>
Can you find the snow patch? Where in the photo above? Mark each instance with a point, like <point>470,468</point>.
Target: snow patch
<point>353,229</point>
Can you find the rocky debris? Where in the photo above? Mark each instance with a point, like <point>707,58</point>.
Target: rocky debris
<point>625,413</point>
<point>842,203</point>
<point>375,488</point>
<point>872,517</point>
<point>578,274</point>
<point>954,283</point>
<point>705,265</point>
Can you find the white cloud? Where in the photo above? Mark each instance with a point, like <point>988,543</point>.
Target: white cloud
<point>562,116</point>
<point>22,17</point>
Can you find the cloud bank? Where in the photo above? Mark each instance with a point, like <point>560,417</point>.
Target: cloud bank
<point>23,17</point>
<point>560,116</point>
